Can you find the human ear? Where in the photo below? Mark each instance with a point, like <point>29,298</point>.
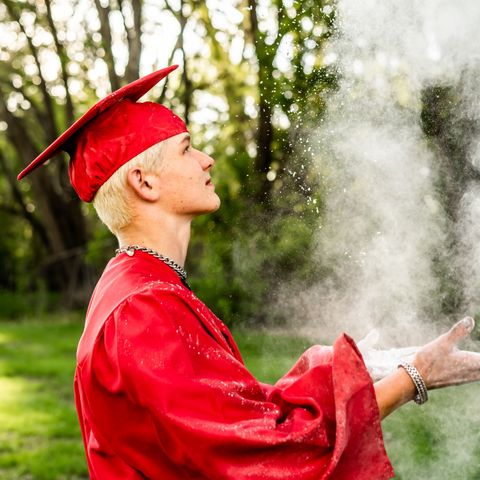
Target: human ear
<point>143,184</point>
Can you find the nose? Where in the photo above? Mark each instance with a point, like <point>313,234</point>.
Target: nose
<point>205,161</point>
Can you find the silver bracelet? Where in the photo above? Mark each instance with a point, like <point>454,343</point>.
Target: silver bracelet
<point>422,396</point>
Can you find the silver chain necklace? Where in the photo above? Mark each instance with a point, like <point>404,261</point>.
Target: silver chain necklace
<point>130,251</point>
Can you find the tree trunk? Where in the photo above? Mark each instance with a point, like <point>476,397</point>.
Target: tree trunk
<point>187,83</point>
<point>62,218</point>
<point>103,13</point>
<point>264,136</point>
<point>134,34</point>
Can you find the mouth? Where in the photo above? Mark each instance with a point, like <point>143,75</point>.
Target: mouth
<point>209,182</point>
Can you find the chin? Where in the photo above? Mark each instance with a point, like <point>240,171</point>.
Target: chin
<point>219,202</point>
<point>212,207</point>
<point>215,204</point>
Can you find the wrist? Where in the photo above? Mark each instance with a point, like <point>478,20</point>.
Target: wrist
<point>394,391</point>
<point>421,389</point>
<point>405,381</point>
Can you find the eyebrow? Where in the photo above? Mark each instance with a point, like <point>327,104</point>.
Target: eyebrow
<point>185,139</point>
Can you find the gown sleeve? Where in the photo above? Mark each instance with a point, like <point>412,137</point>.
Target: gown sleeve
<point>188,408</point>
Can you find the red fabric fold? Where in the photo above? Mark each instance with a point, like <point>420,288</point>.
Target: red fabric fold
<point>162,395</point>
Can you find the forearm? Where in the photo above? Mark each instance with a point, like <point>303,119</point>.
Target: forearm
<point>394,391</point>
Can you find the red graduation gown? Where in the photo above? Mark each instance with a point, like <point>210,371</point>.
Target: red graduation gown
<point>162,394</point>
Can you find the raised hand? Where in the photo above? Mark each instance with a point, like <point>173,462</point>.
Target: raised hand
<point>441,364</point>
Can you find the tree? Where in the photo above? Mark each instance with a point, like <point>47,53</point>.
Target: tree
<point>450,132</point>
<point>249,74</point>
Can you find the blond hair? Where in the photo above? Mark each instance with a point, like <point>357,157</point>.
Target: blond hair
<point>111,202</point>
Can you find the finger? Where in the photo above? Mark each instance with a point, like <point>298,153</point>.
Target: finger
<point>369,341</point>
<point>461,329</point>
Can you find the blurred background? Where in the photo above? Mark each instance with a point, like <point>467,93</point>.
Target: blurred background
<point>243,88</point>
<point>346,137</point>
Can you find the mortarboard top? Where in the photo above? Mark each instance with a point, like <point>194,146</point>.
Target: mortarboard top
<point>111,133</point>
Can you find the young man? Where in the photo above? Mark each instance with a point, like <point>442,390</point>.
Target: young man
<point>160,386</point>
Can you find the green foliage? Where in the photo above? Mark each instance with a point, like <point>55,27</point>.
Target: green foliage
<point>16,259</point>
<point>245,109</point>
<point>18,304</point>
<point>101,247</point>
<point>239,255</point>
<point>238,272</point>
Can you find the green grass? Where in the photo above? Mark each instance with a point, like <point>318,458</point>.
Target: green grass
<point>439,440</point>
<point>268,357</point>
<point>40,438</point>
<point>39,433</point>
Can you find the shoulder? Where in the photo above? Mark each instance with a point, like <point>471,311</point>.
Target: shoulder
<point>135,291</point>
<point>161,326</point>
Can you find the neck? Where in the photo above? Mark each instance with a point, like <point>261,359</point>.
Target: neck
<point>169,237</point>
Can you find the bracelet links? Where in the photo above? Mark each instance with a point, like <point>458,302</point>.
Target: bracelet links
<point>422,396</point>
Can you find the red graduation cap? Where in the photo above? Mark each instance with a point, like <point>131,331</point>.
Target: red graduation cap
<point>111,133</point>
